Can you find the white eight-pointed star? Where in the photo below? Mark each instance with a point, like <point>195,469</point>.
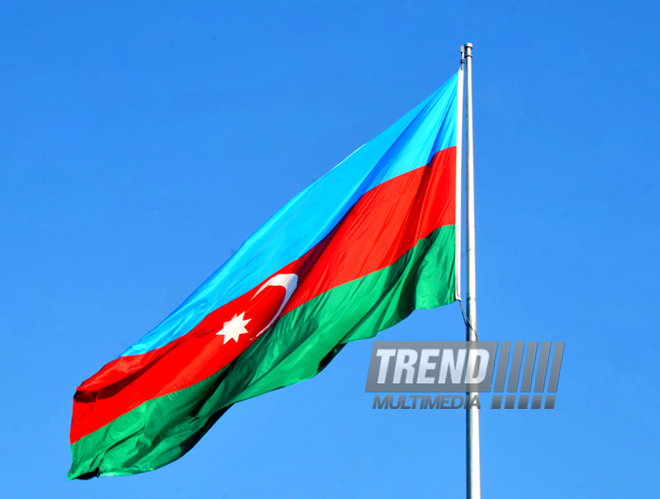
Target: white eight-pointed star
<point>233,328</point>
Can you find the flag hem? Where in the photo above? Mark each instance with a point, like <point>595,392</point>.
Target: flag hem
<point>459,179</point>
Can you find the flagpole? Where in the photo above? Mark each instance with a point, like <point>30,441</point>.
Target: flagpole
<point>472,433</point>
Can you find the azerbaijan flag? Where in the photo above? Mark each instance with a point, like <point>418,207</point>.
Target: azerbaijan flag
<point>356,252</point>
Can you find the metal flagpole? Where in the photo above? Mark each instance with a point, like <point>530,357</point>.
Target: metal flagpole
<point>473,454</point>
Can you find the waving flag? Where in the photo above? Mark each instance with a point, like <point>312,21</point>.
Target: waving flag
<point>356,252</point>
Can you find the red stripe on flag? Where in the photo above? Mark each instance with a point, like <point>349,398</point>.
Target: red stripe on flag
<point>381,227</point>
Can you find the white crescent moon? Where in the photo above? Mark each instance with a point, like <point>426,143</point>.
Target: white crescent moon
<point>289,282</point>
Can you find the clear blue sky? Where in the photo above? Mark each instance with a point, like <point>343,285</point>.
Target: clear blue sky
<point>142,143</point>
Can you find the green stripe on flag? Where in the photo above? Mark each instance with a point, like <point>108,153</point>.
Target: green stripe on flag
<point>299,346</point>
